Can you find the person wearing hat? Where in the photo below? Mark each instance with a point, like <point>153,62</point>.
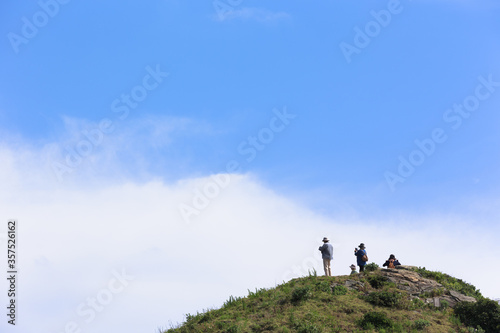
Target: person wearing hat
<point>361,255</point>
<point>392,262</point>
<point>353,269</point>
<point>327,254</point>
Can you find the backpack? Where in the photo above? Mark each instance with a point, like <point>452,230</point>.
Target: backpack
<point>391,264</point>
<point>364,257</point>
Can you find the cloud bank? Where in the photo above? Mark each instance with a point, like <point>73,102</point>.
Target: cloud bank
<point>118,256</point>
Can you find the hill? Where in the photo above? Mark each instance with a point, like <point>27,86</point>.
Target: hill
<point>407,299</point>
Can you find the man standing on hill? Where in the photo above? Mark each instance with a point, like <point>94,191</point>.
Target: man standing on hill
<point>327,254</point>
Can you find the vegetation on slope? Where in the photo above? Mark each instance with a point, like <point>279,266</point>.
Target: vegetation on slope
<point>450,282</point>
<point>315,304</point>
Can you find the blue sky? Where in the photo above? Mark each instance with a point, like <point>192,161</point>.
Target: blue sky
<point>351,115</point>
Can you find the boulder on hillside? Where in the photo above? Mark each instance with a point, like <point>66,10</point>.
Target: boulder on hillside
<point>353,284</point>
<point>407,267</point>
<point>405,278</point>
<point>410,281</point>
<point>461,297</point>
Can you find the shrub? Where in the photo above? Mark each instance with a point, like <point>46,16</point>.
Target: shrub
<point>286,288</point>
<point>485,314</point>
<point>420,324</point>
<point>417,303</point>
<point>375,320</point>
<point>190,317</point>
<point>322,286</point>
<point>258,293</point>
<point>207,316</point>
<point>301,294</point>
<point>371,267</point>
<point>339,290</point>
<point>384,298</point>
<point>377,281</point>
<point>231,301</point>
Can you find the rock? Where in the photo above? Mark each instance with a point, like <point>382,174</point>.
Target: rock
<point>407,267</point>
<point>353,284</point>
<point>461,297</point>
<point>416,285</point>
<point>410,281</point>
<point>450,300</point>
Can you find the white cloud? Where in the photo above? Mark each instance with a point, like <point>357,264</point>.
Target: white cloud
<point>83,150</point>
<point>73,239</point>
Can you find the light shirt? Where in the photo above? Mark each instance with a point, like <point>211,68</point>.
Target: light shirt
<point>326,251</point>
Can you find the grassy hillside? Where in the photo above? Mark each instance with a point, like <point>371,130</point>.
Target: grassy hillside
<point>315,304</point>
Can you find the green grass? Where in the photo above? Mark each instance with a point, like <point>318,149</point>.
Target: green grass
<point>376,320</point>
<point>450,282</point>
<point>315,304</point>
<point>384,298</point>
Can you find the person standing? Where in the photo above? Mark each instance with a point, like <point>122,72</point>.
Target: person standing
<point>362,257</point>
<point>327,254</point>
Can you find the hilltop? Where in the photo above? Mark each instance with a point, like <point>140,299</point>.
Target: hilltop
<point>407,299</point>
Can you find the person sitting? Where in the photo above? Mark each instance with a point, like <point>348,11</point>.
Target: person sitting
<point>392,262</point>
<point>353,269</point>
